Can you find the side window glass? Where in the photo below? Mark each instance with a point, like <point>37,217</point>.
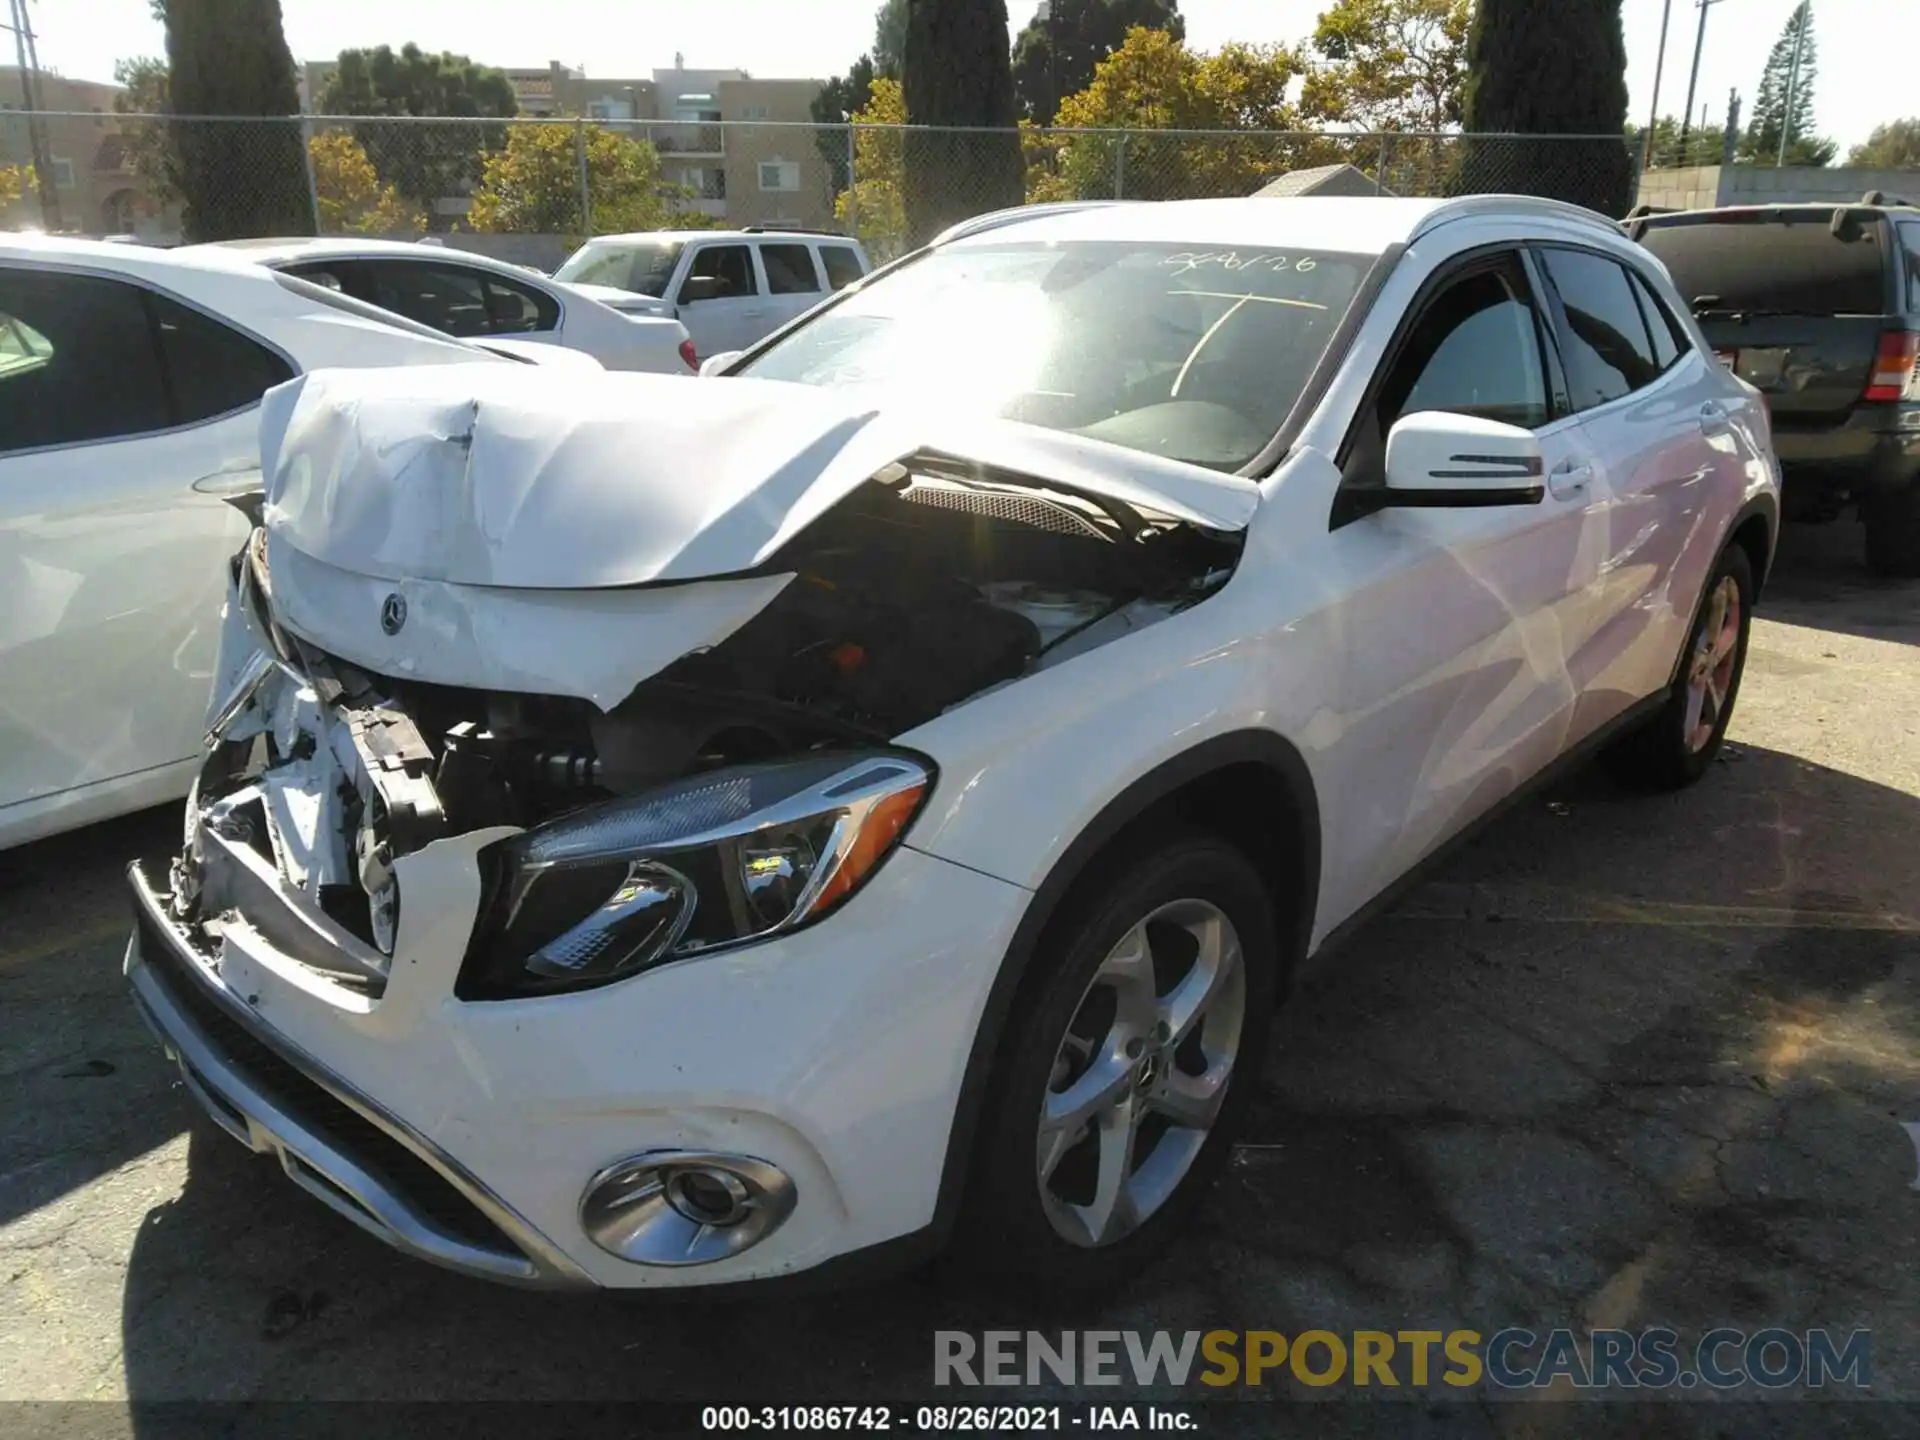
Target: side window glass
<point>1474,351</point>
<point>77,361</point>
<point>1609,352</point>
<point>212,369</point>
<point>516,309</point>
<point>843,266</point>
<point>1910,242</point>
<point>452,301</point>
<point>1668,341</point>
<point>789,270</point>
<point>728,267</point>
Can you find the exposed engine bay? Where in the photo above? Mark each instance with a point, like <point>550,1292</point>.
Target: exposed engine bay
<point>930,585</point>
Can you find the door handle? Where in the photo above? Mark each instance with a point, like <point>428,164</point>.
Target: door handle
<point>1569,479</point>
<point>1714,419</point>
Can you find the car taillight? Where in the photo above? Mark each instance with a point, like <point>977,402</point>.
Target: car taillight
<point>690,355</point>
<point>1893,365</point>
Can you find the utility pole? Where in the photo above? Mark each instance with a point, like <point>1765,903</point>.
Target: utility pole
<point>37,146</point>
<point>1693,81</point>
<point>1801,17</point>
<point>1659,69</point>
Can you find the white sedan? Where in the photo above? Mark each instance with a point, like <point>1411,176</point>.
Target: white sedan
<point>130,382</point>
<point>903,836</point>
<point>473,297</point>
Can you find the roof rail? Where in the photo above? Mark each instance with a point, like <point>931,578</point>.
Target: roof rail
<point>1464,206</point>
<point>1880,197</point>
<point>791,230</point>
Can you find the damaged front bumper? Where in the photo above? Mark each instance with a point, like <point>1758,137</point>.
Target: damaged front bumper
<point>482,1135</point>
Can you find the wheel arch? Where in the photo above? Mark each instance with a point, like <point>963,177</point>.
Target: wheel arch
<point>1756,529</point>
<point>1253,788</point>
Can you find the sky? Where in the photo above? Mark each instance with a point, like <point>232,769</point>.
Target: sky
<point>1857,89</point>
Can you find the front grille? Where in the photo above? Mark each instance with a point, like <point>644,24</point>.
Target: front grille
<point>402,1171</point>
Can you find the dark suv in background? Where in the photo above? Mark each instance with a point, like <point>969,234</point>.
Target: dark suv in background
<point>1819,307</point>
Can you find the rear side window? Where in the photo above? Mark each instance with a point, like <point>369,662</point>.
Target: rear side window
<point>789,270</point>
<point>456,299</point>
<point>1669,340</point>
<point>517,309</point>
<point>213,369</point>
<point>1793,266</point>
<point>843,265</point>
<point>730,265</point>
<point>80,364</point>
<point>1610,351</point>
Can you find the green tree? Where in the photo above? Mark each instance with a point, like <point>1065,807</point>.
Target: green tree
<point>890,39</point>
<point>532,185</point>
<point>238,179</point>
<point>1056,56</point>
<point>352,199</point>
<point>147,90</point>
<point>1153,82</point>
<point>1389,64</point>
<point>957,73</point>
<point>1785,100</point>
<point>15,181</point>
<point>1705,145</point>
<point>1892,146</point>
<point>423,162</point>
<point>1553,69</point>
<point>876,207</point>
<point>841,98</point>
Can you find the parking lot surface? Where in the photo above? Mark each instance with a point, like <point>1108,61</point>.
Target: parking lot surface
<point>1622,1062</point>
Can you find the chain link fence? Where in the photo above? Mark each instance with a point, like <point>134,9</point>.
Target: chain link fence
<point>531,189</point>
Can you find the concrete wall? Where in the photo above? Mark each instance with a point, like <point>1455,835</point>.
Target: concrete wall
<point>1711,185</point>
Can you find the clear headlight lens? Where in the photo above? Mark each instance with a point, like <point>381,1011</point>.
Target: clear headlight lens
<point>707,862</point>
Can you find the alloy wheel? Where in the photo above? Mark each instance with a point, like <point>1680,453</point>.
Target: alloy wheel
<point>1716,648</point>
<point>1139,1078</point>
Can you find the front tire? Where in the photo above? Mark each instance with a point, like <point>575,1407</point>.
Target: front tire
<point>1126,1073</point>
<point>1674,748</point>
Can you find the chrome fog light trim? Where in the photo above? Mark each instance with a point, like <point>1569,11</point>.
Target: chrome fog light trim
<point>685,1207</point>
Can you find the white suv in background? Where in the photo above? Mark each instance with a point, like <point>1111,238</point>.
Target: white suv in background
<point>730,288</point>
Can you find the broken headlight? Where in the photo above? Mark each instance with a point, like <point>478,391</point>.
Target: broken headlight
<point>706,862</point>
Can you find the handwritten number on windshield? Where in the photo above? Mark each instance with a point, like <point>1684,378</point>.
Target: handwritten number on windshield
<point>1188,261</point>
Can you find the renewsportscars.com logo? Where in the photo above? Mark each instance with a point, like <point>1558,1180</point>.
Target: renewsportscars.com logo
<point>1510,1359</point>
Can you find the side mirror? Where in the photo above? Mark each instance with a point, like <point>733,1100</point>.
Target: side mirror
<point>700,287</point>
<point>1440,460</point>
<point>714,364</point>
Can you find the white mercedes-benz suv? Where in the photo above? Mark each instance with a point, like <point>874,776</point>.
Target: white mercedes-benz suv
<point>870,801</point>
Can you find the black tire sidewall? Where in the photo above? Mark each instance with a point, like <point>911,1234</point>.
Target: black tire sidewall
<point>1004,1231</point>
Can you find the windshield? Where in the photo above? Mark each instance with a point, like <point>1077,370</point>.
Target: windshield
<point>644,267</point>
<point>1182,351</point>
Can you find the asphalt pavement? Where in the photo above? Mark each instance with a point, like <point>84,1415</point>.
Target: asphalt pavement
<point>1622,1062</point>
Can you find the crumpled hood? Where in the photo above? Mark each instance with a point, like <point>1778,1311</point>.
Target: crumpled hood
<point>513,476</point>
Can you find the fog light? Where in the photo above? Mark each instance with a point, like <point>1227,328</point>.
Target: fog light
<point>685,1207</point>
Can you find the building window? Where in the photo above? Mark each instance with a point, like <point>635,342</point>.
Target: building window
<point>753,112</point>
<point>780,175</point>
<point>62,174</point>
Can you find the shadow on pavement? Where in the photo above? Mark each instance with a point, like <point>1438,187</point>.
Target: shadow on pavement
<point>1821,581</point>
<point>1627,1061</point>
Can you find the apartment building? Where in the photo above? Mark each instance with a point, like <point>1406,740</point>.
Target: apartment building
<point>95,189</point>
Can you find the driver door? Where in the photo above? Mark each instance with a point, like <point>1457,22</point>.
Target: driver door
<point>1457,623</point>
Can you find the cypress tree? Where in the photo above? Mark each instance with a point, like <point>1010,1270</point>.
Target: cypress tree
<point>1770,107</point>
<point>1548,68</point>
<point>239,179</point>
<point>958,73</point>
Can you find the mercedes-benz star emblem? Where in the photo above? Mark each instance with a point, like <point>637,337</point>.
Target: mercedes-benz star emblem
<point>393,613</point>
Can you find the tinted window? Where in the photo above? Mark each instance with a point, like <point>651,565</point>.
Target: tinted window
<point>80,363</point>
<point>1795,264</point>
<point>1475,351</point>
<point>1669,340</point>
<point>453,299</point>
<point>843,265</point>
<point>789,270</point>
<point>517,308</point>
<point>213,369</point>
<point>1609,352</point>
<point>730,265</point>
<point>1193,352</point>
